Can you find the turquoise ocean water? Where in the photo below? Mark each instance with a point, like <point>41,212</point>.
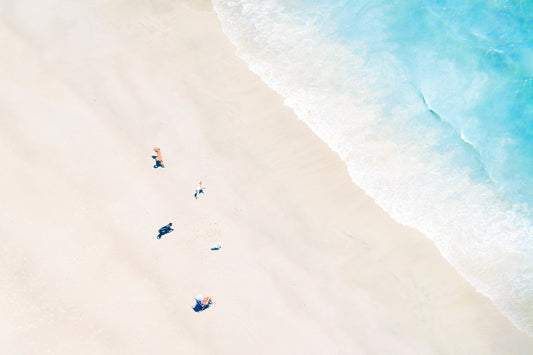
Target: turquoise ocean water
<point>430,104</point>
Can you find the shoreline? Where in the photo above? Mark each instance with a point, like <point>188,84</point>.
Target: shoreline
<point>416,182</point>
<point>309,263</point>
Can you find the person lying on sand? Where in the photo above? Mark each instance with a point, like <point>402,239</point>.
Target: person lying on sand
<point>159,158</point>
<point>206,301</point>
<point>202,303</point>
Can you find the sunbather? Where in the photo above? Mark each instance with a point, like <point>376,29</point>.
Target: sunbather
<point>206,301</point>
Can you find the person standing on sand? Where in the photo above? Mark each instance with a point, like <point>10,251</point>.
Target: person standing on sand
<point>199,190</point>
<point>159,158</point>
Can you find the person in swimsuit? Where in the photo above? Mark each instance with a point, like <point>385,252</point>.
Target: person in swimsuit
<point>158,158</point>
<point>207,301</point>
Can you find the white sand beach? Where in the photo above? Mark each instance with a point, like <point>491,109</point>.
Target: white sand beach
<point>309,264</point>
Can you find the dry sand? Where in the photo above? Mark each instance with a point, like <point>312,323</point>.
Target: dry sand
<point>309,264</point>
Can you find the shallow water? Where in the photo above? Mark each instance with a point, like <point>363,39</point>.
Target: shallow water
<point>430,104</point>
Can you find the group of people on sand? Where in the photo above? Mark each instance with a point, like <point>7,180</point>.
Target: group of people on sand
<point>201,301</point>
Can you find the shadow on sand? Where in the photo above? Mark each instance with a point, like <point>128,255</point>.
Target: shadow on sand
<point>163,231</point>
<point>157,164</point>
<point>199,308</point>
